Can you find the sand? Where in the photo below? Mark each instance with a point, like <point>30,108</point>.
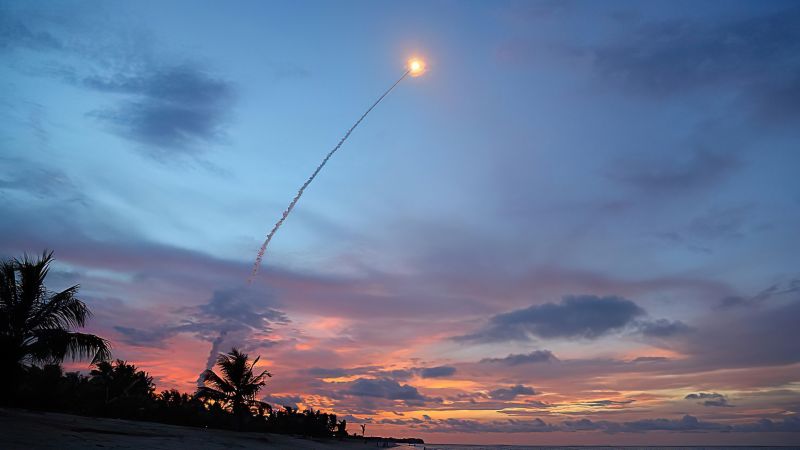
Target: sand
<point>21,429</point>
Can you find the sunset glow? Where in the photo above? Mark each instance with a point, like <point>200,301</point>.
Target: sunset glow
<point>577,227</point>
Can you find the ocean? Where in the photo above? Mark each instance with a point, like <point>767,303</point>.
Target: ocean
<point>589,447</point>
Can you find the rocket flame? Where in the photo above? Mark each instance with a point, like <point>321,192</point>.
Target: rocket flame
<point>416,67</point>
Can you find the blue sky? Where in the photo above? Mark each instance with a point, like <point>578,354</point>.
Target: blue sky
<point>638,158</point>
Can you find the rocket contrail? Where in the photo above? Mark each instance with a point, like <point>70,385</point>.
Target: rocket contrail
<point>289,209</point>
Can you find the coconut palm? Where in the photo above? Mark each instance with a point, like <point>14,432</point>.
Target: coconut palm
<point>36,324</point>
<point>236,389</point>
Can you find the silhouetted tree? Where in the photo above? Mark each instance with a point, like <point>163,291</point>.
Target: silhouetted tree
<point>125,390</point>
<point>36,324</point>
<point>236,389</point>
<point>180,408</point>
<point>341,429</point>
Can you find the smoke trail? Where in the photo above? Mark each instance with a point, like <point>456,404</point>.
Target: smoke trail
<point>216,345</point>
<point>294,201</point>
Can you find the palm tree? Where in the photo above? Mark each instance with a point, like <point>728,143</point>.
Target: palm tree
<point>236,389</point>
<point>36,324</point>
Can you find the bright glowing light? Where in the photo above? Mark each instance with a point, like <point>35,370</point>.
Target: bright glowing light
<point>416,67</point>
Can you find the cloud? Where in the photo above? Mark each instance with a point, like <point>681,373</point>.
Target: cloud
<point>511,393</point>
<point>681,55</point>
<point>747,337</point>
<point>386,389</point>
<point>721,223</point>
<point>145,337</point>
<point>227,310</point>
<point>662,328</point>
<point>535,356</point>
<point>14,33</point>
<point>232,317</point>
<point>685,424</point>
<point>282,400</point>
<point>697,168</point>
<point>709,399</point>
<point>170,108</point>
<point>322,372</point>
<point>241,306</point>
<point>495,426</point>
<point>790,287</point>
<point>650,359</point>
<point>606,403</point>
<point>585,316</point>
<point>436,372</point>
<point>787,425</point>
<point>379,372</point>
<point>37,180</point>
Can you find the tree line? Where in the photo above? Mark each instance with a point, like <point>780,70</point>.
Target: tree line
<point>37,332</point>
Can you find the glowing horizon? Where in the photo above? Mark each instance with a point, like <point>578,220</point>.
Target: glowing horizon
<point>578,227</point>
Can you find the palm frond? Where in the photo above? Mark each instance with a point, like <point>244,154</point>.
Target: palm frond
<point>56,344</point>
<point>62,310</point>
<point>31,278</point>
<point>222,385</point>
<point>260,378</point>
<point>8,285</point>
<point>207,393</point>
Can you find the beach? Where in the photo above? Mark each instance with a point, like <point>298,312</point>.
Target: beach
<point>25,430</point>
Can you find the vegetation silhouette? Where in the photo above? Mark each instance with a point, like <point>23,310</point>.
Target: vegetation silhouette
<point>36,335</point>
<point>36,325</point>
<point>236,389</point>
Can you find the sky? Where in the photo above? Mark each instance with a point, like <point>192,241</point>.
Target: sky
<point>578,227</point>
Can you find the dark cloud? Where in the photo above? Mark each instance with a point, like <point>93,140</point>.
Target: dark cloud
<point>681,55</point>
<point>338,372</point>
<point>717,225</point>
<point>747,337</point>
<point>436,372</point>
<point>282,400</point>
<point>685,424</point>
<point>37,180</point>
<point>353,419</point>
<point>495,426</point>
<point>510,393</point>
<point>535,356</point>
<point>721,223</point>
<point>149,337</point>
<point>170,108</point>
<point>650,359</point>
<point>753,57</point>
<point>322,372</point>
<point>606,403</point>
<point>709,399</point>
<point>585,316</point>
<point>385,388</point>
<point>379,372</point>
<point>696,168</point>
<point>787,425</point>
<point>662,328</point>
<point>790,287</point>
<point>15,33</point>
